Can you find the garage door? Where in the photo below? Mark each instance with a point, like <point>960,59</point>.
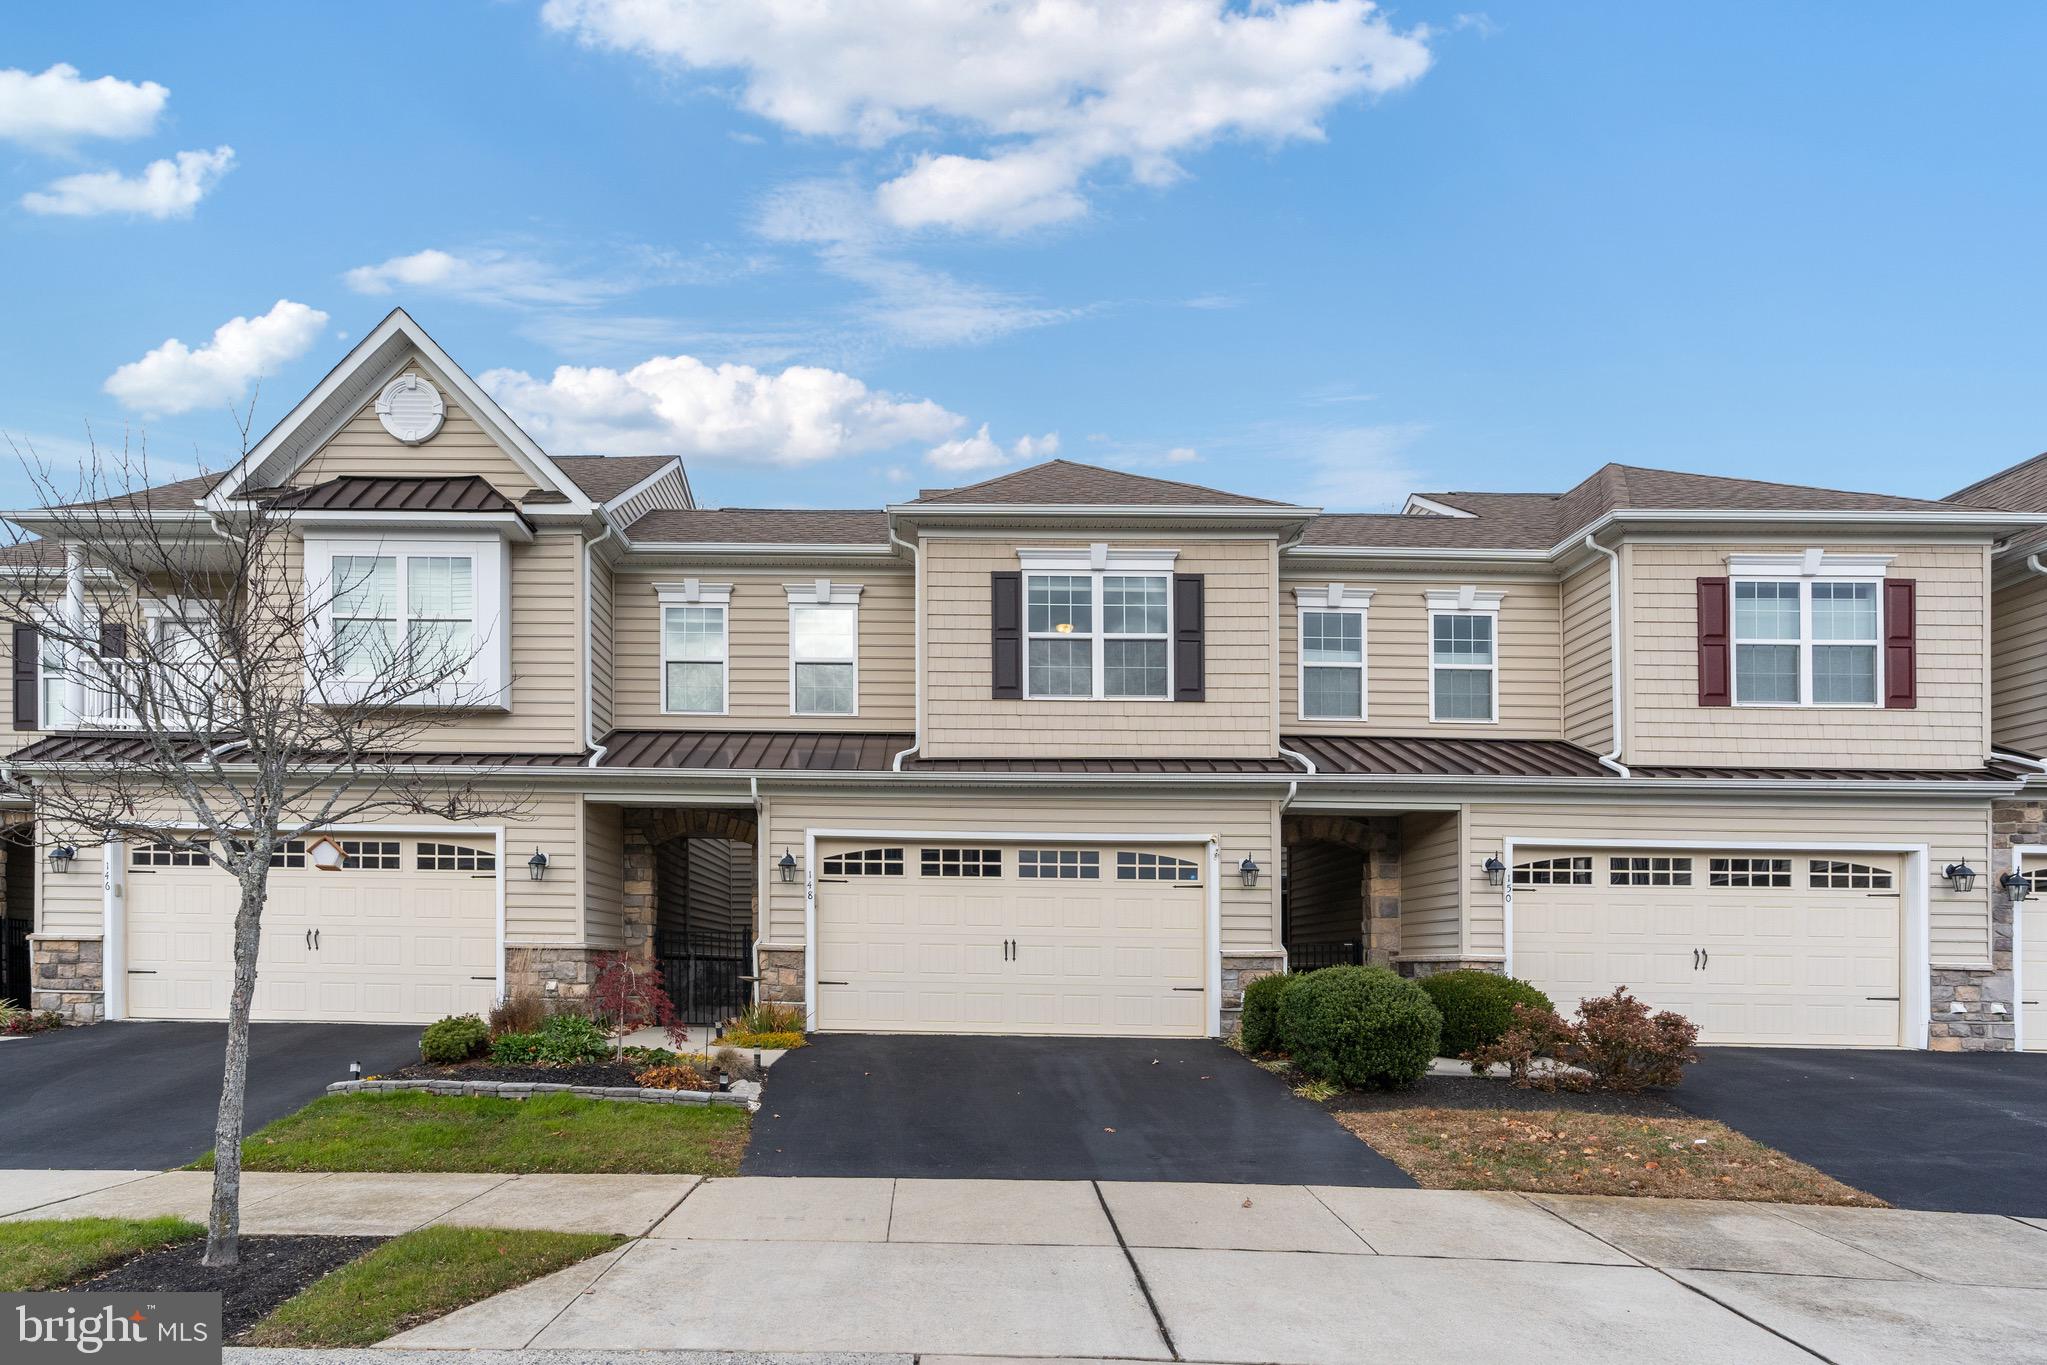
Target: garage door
<point>943,938</point>
<point>404,932</point>
<point>1754,948</point>
<point>2032,982</point>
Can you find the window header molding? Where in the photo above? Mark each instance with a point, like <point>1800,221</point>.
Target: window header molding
<point>693,592</point>
<point>1096,558</point>
<point>1335,595</point>
<point>1466,598</point>
<point>1812,563</point>
<point>822,592</point>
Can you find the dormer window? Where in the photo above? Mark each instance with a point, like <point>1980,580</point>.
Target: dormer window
<point>1808,629</point>
<point>425,620</point>
<point>1098,624</point>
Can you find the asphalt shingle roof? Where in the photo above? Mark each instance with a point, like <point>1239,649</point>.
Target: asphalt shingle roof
<point>762,526</point>
<point>1064,483</point>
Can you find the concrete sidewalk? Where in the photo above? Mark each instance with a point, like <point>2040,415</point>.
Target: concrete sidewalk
<point>1290,1274</point>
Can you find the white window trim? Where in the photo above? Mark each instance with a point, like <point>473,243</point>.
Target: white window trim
<point>1464,601</point>
<point>822,592</point>
<point>1805,569</point>
<point>1336,597</point>
<point>1094,562</point>
<point>693,592</point>
<point>492,658</point>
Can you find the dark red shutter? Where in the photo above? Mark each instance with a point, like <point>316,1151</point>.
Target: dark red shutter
<point>1716,656</point>
<point>1005,620</point>
<point>1190,638</point>
<point>1901,632</point>
<point>113,640</point>
<point>27,659</point>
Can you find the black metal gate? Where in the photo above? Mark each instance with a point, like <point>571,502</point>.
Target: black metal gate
<point>14,966</point>
<point>705,973</point>
<point>1308,957</point>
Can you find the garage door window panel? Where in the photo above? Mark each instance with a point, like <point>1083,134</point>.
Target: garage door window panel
<point>1060,864</point>
<point>454,858</point>
<point>1651,870</point>
<point>866,862</point>
<point>960,862</point>
<point>1134,866</point>
<point>371,855</point>
<point>1567,870</point>
<point>170,855</point>
<point>1831,875</point>
<point>1748,872</point>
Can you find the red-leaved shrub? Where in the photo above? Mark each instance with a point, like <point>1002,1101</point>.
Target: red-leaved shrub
<point>1616,1044</point>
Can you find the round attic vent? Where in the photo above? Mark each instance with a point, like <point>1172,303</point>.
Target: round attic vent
<point>410,409</point>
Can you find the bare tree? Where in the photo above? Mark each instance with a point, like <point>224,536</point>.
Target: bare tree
<point>246,701</point>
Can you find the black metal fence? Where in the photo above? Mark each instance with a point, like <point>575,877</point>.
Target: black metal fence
<point>14,964</point>
<point>705,973</point>
<point>1307,957</point>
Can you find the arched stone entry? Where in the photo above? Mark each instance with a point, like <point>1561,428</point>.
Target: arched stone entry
<point>691,895</point>
<point>1343,882</point>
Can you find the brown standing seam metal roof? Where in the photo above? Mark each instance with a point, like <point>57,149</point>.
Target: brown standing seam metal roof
<point>1989,772</point>
<point>1436,756</point>
<point>752,750</point>
<point>1061,483</point>
<point>761,526</point>
<point>378,493</point>
<point>102,747</point>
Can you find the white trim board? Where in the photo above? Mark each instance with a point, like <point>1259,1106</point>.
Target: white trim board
<point>2018,949</point>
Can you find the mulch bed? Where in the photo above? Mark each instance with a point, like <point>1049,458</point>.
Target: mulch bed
<point>583,1073</point>
<point>271,1270</point>
<point>1477,1092</point>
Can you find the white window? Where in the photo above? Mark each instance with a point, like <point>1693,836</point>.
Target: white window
<point>1155,867</point>
<point>1748,872</point>
<point>824,649</point>
<point>1649,871</point>
<point>1807,630</point>
<point>394,608</point>
<point>695,647</point>
<point>1569,870</point>
<point>1098,623</point>
<point>865,862</point>
<point>1464,657</point>
<point>1059,864</point>
<point>1332,650</point>
<point>961,862</point>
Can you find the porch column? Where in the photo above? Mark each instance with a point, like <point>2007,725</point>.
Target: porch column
<point>73,710</point>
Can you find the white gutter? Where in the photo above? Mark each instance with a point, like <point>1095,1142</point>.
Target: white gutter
<point>589,676</point>
<point>1613,632</point>
<point>1293,788</point>
<point>917,646</point>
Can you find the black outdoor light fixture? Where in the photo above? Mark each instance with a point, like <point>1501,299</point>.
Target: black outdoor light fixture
<point>1248,870</point>
<point>1960,877</point>
<point>2016,885</point>
<point>1495,872</point>
<point>786,865</point>
<point>536,866</point>
<point>61,856</point>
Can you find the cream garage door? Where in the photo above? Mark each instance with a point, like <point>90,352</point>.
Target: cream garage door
<point>1754,948</point>
<point>925,937</point>
<point>2032,956</point>
<point>405,932</point>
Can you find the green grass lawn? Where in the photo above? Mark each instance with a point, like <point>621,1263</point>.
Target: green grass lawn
<point>408,1131</point>
<point>49,1253</point>
<point>416,1278</point>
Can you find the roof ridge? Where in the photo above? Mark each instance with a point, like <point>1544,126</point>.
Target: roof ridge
<point>954,494</point>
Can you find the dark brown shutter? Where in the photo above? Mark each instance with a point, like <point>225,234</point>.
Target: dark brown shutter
<point>27,658</point>
<point>113,640</point>
<point>1715,652</point>
<point>1005,621</point>
<point>1190,637</point>
<point>1901,656</point>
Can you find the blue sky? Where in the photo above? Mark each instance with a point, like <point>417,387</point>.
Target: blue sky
<point>1329,253</point>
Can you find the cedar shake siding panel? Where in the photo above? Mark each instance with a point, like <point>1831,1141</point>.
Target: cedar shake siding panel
<point>1588,657</point>
<point>1235,719</point>
<point>1397,658</point>
<point>1948,728</point>
<point>2018,664</point>
<point>759,651</point>
<point>1953,831</point>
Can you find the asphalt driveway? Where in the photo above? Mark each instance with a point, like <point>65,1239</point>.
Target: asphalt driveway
<point>142,1096</point>
<point>1046,1109</point>
<point>1962,1132</point>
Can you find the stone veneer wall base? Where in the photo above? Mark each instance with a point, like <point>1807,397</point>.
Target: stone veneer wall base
<point>67,976</point>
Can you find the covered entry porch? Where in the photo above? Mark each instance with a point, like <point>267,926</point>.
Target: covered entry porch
<point>690,884</point>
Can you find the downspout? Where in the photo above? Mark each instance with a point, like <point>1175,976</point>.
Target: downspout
<point>1613,632</point>
<point>589,675</point>
<point>917,644</point>
<point>760,877</point>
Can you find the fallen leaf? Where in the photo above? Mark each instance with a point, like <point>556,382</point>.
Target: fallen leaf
<point>1108,1130</point>
<point>1247,1203</point>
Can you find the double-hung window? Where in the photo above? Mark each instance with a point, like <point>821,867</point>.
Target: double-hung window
<point>1807,630</point>
<point>423,621</point>
<point>824,649</point>
<point>695,647</point>
<point>1332,647</point>
<point>1464,656</point>
<point>1098,623</point>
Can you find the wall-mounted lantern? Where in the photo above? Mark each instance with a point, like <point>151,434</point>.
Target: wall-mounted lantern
<point>1495,872</point>
<point>2016,885</point>
<point>786,865</point>
<point>61,857</point>
<point>1248,870</point>
<point>1960,877</point>
<point>536,866</point>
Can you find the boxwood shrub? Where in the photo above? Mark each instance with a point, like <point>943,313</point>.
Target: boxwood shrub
<point>1358,1026</point>
<point>1260,1022</point>
<point>1478,1007</point>
<point>454,1039</point>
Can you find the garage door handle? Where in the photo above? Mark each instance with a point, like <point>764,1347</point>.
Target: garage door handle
<point>1879,997</point>
<point>834,983</point>
<point>142,971</point>
<point>309,940</point>
<point>1190,988</point>
<point>316,940</point>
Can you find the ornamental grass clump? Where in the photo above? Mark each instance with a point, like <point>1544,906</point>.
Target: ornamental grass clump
<point>1358,1027</point>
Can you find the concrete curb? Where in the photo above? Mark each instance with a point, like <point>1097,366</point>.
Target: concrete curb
<point>747,1098</point>
<point>377,1355</point>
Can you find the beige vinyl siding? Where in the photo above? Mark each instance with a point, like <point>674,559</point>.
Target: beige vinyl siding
<point>1236,720</point>
<point>603,649</point>
<point>1397,659</point>
<point>1431,884</point>
<point>68,904</point>
<point>603,875</point>
<point>2018,654</point>
<point>666,492</point>
<point>1588,657</point>
<point>362,446</point>
<point>547,670</point>
<point>1953,831</point>
<point>1947,729</point>
<point>759,650</point>
<point>1250,918</point>
<point>1325,893</point>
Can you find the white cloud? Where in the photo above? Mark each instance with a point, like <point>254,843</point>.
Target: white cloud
<point>980,451</point>
<point>1359,468</point>
<point>176,378</point>
<point>485,276</point>
<point>165,189</point>
<point>56,108</point>
<point>678,405</point>
<point>1048,92</point>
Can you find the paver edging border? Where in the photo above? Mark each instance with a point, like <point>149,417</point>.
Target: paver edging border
<point>519,1090</point>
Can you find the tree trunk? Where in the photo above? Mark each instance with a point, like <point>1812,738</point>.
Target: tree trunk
<point>224,1217</point>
